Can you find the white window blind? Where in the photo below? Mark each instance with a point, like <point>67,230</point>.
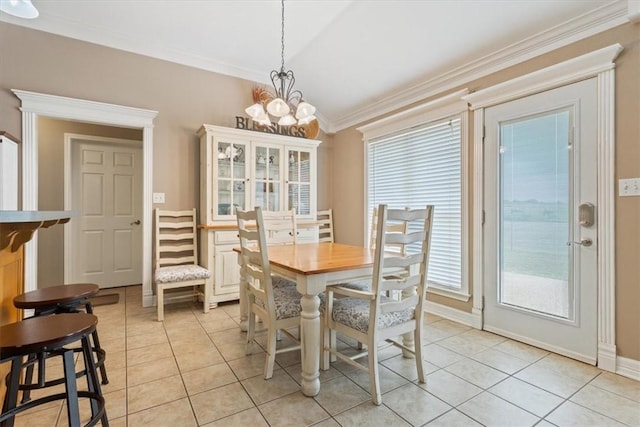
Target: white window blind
<point>417,167</point>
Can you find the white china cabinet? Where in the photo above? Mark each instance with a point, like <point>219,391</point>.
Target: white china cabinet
<point>242,169</point>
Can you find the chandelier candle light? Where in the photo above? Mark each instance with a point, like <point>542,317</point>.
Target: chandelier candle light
<point>286,104</point>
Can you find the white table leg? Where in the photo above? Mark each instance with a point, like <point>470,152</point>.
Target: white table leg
<point>309,343</point>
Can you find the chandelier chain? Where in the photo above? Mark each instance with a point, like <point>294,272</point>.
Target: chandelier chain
<point>282,40</point>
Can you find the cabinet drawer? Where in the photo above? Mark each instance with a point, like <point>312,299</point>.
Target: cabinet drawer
<point>227,237</point>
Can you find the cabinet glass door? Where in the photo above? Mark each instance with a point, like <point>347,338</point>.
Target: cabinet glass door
<point>231,177</point>
<point>299,181</point>
<point>268,179</point>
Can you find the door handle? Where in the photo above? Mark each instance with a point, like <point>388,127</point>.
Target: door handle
<point>136,222</point>
<point>582,242</point>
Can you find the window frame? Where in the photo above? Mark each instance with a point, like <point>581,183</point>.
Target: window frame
<point>438,109</point>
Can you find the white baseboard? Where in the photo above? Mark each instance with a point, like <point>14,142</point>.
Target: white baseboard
<point>629,368</point>
<point>607,357</point>
<point>464,317</point>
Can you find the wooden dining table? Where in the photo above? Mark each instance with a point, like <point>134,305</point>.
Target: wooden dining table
<point>312,266</point>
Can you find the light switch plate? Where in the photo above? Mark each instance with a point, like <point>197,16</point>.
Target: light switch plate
<point>629,187</point>
<point>158,197</point>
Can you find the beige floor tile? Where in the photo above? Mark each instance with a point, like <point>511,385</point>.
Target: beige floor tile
<point>151,371</point>
<point>484,338</point>
<point>476,373</point>
<point>407,367</point>
<point>571,415</point>
<point>569,367</point>
<point>374,415</point>
<point>219,325</point>
<point>220,402</point>
<point>117,379</point>
<point>490,410</point>
<point>414,404</point>
<point>115,359</point>
<point>389,380</point>
<point>449,388</point>
<point>231,336</point>
<point>145,327</point>
<point>550,380</point>
<point>340,394</point>
<point>114,344</point>
<point>155,393</point>
<point>198,359</point>
<point>449,327</point>
<point>620,408</point>
<point>116,404</point>
<point>38,417</point>
<point>462,345</point>
<point>440,356</point>
<point>118,422</point>
<point>249,418</point>
<point>234,351</point>
<point>521,351</point>
<point>249,366</point>
<point>176,413</point>
<point>138,341</point>
<point>500,361</point>
<point>453,418</point>
<point>149,353</point>
<point>526,396</point>
<point>329,422</point>
<point>293,410</point>
<point>209,377</point>
<point>262,391</point>
<point>203,345</point>
<point>617,384</point>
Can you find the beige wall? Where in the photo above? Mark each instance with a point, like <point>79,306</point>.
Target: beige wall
<point>348,169</point>
<point>184,97</point>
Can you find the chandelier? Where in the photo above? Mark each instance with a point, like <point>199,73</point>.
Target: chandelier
<point>285,104</point>
<point>20,8</point>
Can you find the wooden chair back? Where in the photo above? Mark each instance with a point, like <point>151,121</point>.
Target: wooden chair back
<point>176,242</point>
<point>325,225</point>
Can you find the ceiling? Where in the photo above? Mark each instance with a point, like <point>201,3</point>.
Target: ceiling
<point>353,59</point>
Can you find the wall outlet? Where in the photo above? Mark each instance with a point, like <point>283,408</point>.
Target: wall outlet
<point>629,187</point>
<point>158,197</point>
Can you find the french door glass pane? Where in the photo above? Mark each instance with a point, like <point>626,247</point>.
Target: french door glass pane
<point>535,166</point>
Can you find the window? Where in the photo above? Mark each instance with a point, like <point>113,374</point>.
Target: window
<point>417,158</point>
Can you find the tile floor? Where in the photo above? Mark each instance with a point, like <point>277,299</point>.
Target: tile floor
<point>191,370</point>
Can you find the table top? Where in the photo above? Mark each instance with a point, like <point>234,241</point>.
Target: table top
<point>316,258</point>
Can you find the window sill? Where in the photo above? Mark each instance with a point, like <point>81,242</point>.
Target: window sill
<point>457,295</point>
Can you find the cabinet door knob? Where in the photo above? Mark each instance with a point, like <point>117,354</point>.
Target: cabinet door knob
<point>136,222</point>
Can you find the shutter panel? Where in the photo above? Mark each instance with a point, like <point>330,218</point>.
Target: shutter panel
<point>417,167</point>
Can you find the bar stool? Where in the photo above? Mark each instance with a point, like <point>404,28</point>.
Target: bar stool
<point>40,335</point>
<point>62,299</point>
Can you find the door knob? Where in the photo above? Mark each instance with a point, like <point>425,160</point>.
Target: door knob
<point>582,242</point>
<point>136,222</point>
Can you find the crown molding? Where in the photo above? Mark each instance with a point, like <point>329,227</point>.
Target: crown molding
<point>604,18</point>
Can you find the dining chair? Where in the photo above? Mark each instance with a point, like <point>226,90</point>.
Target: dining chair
<point>280,227</point>
<point>277,306</point>
<point>176,257</point>
<point>372,317</point>
<point>325,225</point>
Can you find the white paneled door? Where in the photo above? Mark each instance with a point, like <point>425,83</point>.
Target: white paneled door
<point>541,220</point>
<point>106,184</point>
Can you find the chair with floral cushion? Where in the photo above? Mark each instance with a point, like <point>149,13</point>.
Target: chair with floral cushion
<point>371,316</point>
<point>176,261</point>
<point>277,306</point>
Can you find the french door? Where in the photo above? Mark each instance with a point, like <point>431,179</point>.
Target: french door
<point>540,227</point>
